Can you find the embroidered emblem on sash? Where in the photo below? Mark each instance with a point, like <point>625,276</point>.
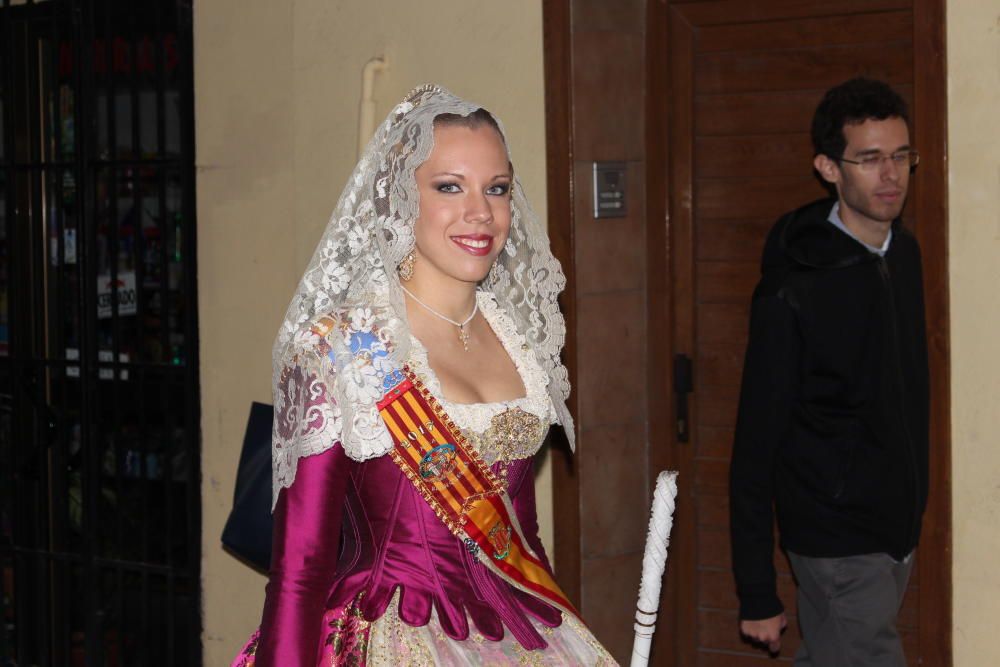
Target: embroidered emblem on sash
<point>499,538</point>
<point>438,462</point>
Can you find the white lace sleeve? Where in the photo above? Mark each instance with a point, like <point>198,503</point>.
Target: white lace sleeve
<point>306,418</point>
<point>326,391</point>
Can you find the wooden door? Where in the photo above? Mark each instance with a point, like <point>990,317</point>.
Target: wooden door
<point>733,85</point>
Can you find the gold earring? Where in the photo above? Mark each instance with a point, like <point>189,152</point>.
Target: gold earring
<point>405,268</point>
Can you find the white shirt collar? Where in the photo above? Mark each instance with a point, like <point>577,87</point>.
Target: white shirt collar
<point>834,219</point>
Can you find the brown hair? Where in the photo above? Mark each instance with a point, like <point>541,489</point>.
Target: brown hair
<point>473,121</point>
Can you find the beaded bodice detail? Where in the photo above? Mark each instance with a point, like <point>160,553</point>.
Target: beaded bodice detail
<point>504,430</point>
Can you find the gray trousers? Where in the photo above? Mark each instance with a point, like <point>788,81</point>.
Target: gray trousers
<point>847,610</point>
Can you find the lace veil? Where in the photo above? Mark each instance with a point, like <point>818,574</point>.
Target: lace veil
<point>345,335</point>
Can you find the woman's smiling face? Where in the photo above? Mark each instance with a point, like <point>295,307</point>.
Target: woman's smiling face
<point>465,213</point>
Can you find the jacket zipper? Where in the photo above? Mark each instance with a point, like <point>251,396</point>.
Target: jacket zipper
<point>883,268</point>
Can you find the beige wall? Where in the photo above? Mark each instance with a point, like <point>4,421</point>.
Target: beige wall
<point>277,88</point>
<point>974,219</point>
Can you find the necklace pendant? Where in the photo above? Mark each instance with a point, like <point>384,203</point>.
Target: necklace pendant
<point>463,336</point>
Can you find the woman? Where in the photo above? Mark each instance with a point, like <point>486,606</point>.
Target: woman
<point>416,374</point>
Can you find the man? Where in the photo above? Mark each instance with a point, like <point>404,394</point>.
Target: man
<point>832,428</point>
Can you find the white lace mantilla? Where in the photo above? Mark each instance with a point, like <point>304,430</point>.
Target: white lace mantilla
<point>477,417</point>
<point>346,323</point>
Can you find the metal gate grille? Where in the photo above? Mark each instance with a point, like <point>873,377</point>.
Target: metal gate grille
<point>99,407</point>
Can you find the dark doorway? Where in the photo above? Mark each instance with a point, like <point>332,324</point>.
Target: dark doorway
<point>713,122</point>
<point>734,85</point>
<point>100,511</point>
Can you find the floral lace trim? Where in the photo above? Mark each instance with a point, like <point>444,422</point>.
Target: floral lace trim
<point>316,406</point>
<point>477,417</point>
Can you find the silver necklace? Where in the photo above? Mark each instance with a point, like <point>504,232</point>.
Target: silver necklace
<point>463,335</point>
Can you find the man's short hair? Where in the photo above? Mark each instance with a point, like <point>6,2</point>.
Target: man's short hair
<point>852,102</point>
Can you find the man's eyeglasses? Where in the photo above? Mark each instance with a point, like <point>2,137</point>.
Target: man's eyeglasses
<point>899,159</point>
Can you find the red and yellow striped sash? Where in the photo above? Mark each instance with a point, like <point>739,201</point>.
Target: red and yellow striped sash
<point>461,489</point>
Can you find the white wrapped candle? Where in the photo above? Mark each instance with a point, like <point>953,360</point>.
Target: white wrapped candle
<point>654,562</point>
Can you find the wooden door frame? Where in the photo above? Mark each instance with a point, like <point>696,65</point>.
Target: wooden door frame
<point>556,36</point>
<point>930,196</point>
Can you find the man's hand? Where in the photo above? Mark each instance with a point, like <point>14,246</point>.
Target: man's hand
<point>766,631</point>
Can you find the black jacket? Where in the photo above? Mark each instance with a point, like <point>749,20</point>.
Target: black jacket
<point>833,412</point>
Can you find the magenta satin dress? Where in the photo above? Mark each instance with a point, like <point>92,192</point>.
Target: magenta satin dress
<point>390,539</point>
<point>365,574</point>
